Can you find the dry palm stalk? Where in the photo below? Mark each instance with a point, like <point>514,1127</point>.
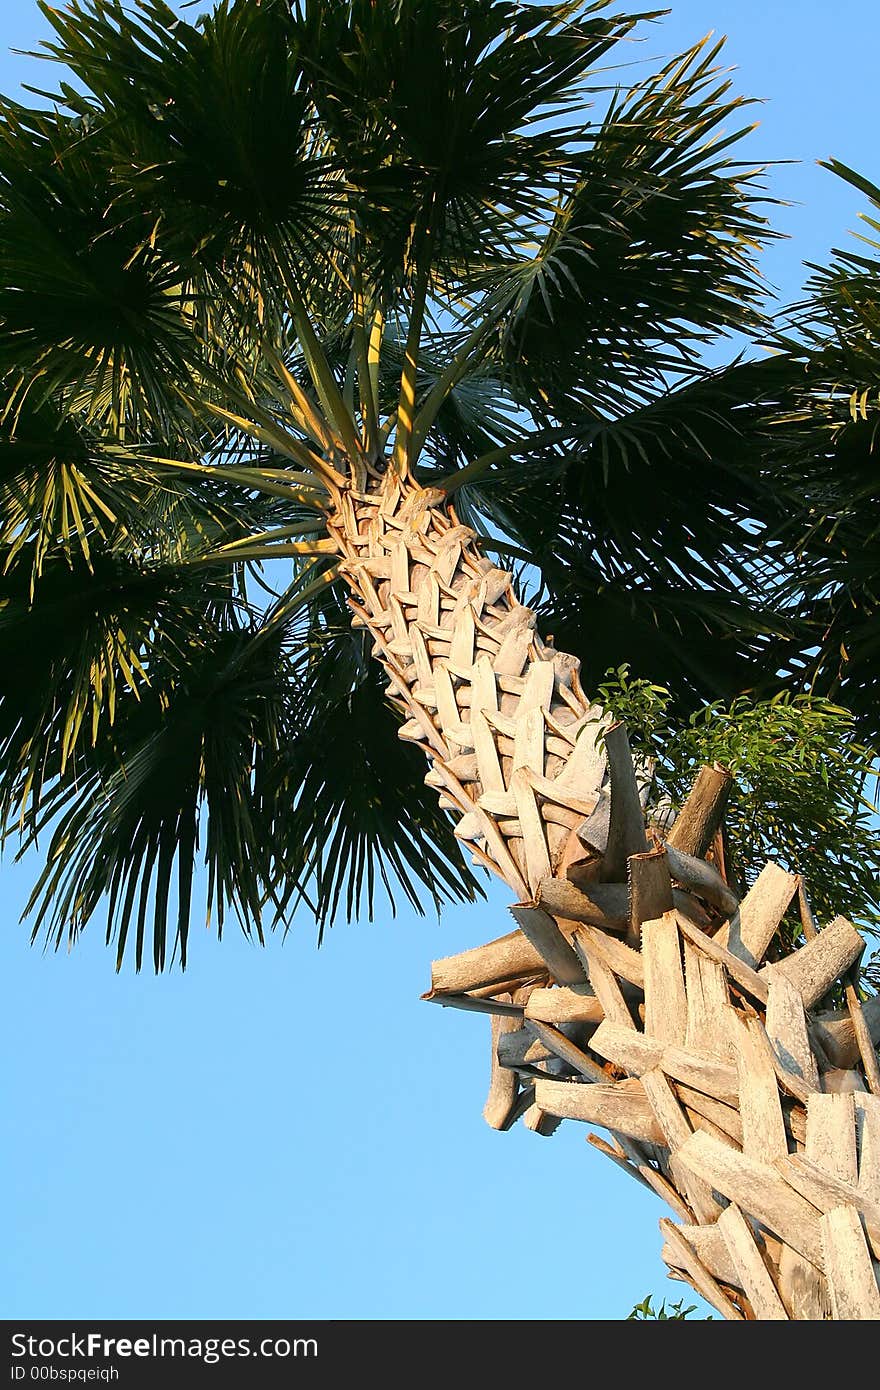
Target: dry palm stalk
<point>864,1041</point>
<point>503,1085</point>
<point>751,1271</point>
<point>836,1032</point>
<point>756,920</point>
<point>577,1004</point>
<point>700,816</point>
<point>650,887</point>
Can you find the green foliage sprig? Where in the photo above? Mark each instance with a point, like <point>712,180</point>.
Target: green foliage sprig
<point>676,1312</point>
<point>802,785</point>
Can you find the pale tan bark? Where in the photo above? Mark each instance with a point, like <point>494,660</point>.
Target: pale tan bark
<point>735,1120</point>
<point>501,716</point>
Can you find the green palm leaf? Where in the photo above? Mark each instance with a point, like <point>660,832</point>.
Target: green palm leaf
<point>430,109</point>
<point>258,746</point>
<point>825,452</point>
<point>130,829</point>
<point>86,306</point>
<point>212,145</point>
<point>652,251</point>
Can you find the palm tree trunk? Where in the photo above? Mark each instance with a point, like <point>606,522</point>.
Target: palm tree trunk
<point>633,993</point>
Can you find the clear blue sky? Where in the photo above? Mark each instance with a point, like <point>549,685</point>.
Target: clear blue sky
<point>290,1132</point>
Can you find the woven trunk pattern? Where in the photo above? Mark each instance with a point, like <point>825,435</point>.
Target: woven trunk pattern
<point>636,992</point>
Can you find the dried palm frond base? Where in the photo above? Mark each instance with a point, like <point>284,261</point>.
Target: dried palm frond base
<point>636,992</point>
<point>720,1086</point>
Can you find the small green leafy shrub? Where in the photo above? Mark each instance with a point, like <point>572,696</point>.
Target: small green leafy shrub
<point>646,1312</point>
<point>802,785</point>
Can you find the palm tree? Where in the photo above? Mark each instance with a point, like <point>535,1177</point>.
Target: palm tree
<point>307,311</point>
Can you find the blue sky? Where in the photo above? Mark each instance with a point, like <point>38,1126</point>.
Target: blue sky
<point>290,1132</point>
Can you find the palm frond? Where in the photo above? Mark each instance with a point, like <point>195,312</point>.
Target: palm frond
<point>651,254</point>
<point>130,830</point>
<point>361,814</point>
<point>826,444</point>
<point>263,744</point>
<point>655,532</point>
<point>211,140</point>
<point>87,307</point>
<point>80,645</point>
<point>441,113</point>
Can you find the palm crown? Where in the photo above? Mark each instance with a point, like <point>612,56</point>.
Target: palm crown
<point>250,262</point>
